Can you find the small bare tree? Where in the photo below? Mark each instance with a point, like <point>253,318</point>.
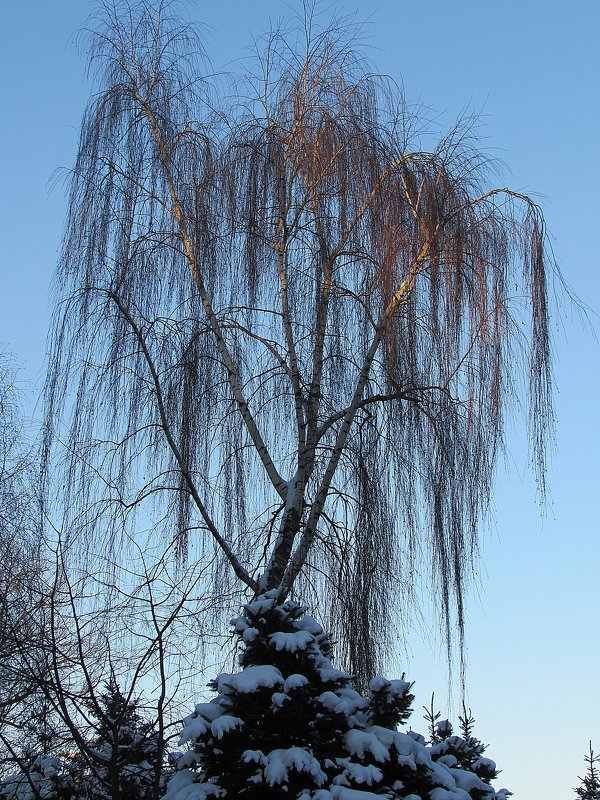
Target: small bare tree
<point>22,603</point>
<point>107,678</point>
<point>289,323</point>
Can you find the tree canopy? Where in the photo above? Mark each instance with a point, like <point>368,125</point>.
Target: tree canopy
<point>289,327</point>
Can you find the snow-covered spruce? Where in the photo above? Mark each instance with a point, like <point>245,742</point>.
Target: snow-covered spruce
<point>290,726</point>
<point>126,750</point>
<point>39,777</point>
<point>465,752</point>
<point>464,757</point>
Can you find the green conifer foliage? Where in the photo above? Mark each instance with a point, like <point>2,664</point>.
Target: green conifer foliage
<point>589,789</point>
<point>126,747</point>
<point>289,726</point>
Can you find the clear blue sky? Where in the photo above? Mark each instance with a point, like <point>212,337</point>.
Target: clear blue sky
<point>533,68</point>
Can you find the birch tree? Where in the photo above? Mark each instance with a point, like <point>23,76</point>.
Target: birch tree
<point>290,322</point>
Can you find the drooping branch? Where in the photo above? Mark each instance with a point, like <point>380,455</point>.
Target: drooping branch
<point>328,337</point>
<point>301,554</point>
<point>278,483</point>
<point>239,570</point>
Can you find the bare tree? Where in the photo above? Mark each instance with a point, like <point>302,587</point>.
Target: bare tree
<point>22,603</point>
<point>289,323</point>
<point>109,677</point>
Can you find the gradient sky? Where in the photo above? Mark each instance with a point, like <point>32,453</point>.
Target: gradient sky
<point>532,69</point>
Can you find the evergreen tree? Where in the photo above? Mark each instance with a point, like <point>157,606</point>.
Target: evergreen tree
<point>462,752</point>
<point>126,749</point>
<point>590,784</point>
<point>43,769</point>
<point>41,777</point>
<point>290,725</point>
<point>121,761</point>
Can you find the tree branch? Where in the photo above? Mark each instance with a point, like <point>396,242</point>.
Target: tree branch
<point>225,546</point>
